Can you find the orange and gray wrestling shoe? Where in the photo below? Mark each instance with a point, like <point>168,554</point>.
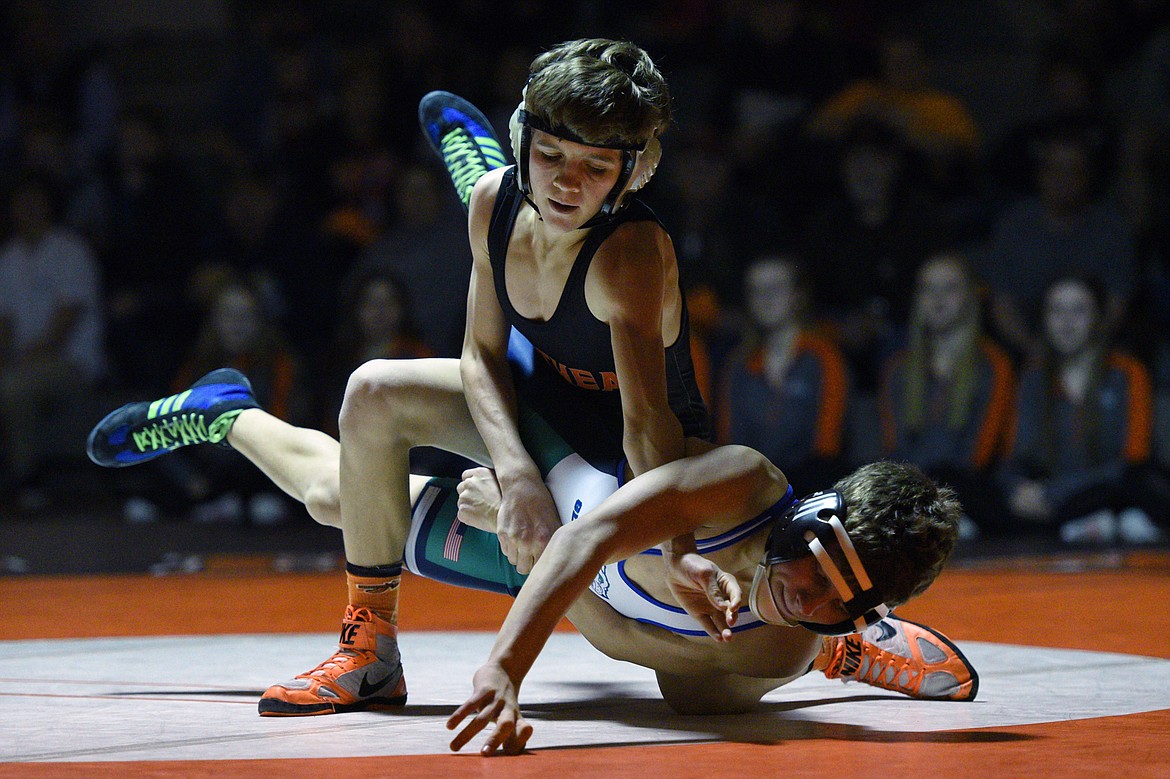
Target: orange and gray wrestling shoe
<point>903,656</point>
<point>365,673</point>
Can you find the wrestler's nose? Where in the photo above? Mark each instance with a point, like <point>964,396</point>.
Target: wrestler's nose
<point>566,183</point>
<point>809,603</point>
<point>567,180</point>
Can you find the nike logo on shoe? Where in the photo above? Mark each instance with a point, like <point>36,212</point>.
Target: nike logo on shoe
<point>365,689</point>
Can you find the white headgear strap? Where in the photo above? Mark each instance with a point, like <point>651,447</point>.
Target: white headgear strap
<point>834,573</point>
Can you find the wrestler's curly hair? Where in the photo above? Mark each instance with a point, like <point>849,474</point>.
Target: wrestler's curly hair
<point>903,525</point>
<point>606,92</point>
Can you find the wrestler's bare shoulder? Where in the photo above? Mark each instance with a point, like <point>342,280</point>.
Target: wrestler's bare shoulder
<point>483,195</point>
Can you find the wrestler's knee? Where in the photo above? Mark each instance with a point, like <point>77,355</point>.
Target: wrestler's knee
<point>323,502</point>
<point>389,398</point>
<point>370,394</point>
<point>710,694</point>
<point>370,381</point>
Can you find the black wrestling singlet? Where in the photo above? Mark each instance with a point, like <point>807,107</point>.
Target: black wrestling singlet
<point>564,367</point>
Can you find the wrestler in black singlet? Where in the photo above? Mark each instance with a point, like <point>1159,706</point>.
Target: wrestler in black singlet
<point>570,378</point>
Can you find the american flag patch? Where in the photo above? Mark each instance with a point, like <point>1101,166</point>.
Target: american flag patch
<point>454,541</point>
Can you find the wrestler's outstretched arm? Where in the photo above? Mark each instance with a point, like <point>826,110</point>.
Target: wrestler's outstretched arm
<point>696,583</point>
<point>676,498</point>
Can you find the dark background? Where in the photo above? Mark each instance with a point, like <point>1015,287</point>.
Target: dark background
<point>312,104</point>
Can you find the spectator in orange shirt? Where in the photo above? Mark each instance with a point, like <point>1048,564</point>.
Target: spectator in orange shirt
<point>785,390</point>
<point>933,122</point>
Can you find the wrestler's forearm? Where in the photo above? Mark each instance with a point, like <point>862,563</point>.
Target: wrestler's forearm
<point>563,572</point>
<point>650,440</point>
<point>664,503</point>
<point>483,364</point>
<point>651,433</point>
<point>491,399</point>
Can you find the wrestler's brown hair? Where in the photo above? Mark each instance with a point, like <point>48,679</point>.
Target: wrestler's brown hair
<point>605,92</point>
<point>903,525</point>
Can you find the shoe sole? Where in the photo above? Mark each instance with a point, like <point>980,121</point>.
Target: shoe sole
<point>272,707</point>
<point>426,116</point>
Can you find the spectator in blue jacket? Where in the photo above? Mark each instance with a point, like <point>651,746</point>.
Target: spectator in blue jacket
<point>1080,456</point>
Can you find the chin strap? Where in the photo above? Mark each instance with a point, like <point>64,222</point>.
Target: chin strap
<point>760,581</point>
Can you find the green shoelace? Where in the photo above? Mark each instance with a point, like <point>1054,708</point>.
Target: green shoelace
<point>182,430</point>
<point>466,159</point>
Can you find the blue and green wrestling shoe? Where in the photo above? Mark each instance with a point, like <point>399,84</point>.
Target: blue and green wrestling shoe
<point>463,137</point>
<point>203,414</point>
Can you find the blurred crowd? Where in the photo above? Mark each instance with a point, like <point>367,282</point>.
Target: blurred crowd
<point>933,230</point>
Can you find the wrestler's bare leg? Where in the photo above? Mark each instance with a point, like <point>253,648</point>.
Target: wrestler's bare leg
<point>391,406</point>
<point>299,460</point>
<point>419,403</point>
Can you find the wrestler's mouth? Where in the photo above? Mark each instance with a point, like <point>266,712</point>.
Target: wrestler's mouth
<point>561,208</point>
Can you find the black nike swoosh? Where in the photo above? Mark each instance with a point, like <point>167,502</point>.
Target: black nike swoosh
<point>365,689</point>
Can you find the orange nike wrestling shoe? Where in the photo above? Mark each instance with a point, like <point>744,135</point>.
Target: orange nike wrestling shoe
<point>903,656</point>
<point>365,673</point>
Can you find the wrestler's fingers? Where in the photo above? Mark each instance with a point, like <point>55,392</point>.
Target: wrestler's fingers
<point>525,560</point>
<point>723,591</point>
<point>713,626</point>
<point>728,597</point>
<point>508,547</point>
<point>500,737</point>
<point>466,734</point>
<point>474,726</point>
<point>722,626</point>
<point>717,622</point>
<point>732,592</point>
<point>473,704</point>
<point>459,714</point>
<point>519,738</point>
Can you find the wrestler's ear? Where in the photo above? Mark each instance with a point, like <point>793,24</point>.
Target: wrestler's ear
<point>521,136</point>
<point>645,165</point>
<point>516,131</point>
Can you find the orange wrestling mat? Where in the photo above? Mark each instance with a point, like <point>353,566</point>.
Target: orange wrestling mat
<point>1072,652</point>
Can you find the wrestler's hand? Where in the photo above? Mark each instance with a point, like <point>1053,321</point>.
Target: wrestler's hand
<point>493,699</point>
<point>526,521</point>
<point>479,499</point>
<point>709,594</point>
